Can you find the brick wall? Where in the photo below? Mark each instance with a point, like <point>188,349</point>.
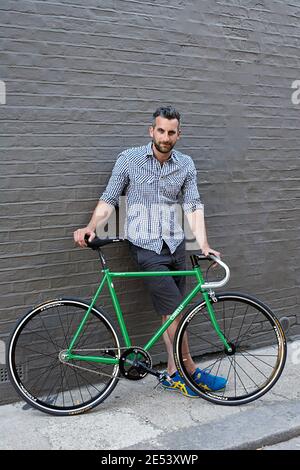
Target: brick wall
<point>83,78</point>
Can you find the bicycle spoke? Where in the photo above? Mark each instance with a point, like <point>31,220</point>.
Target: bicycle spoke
<point>246,353</point>
<point>232,317</point>
<point>202,338</point>
<point>255,366</point>
<point>236,373</point>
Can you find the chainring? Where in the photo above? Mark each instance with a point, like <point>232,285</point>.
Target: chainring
<point>132,361</point>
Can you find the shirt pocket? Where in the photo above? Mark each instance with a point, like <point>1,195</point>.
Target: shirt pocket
<point>173,185</point>
<point>143,186</point>
<point>144,179</point>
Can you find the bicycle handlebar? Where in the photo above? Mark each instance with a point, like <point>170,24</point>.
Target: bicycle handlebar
<point>97,243</point>
<point>216,284</point>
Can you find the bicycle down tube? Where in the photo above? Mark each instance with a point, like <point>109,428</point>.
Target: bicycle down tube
<point>108,279</point>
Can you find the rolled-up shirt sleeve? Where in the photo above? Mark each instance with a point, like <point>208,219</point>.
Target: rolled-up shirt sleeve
<point>117,183</point>
<point>190,197</point>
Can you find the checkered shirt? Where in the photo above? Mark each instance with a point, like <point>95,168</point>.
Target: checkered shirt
<point>154,196</point>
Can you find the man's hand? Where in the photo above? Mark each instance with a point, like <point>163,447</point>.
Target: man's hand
<point>80,234</point>
<point>206,250</point>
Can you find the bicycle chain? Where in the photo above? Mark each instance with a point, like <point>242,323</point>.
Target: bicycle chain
<point>94,371</point>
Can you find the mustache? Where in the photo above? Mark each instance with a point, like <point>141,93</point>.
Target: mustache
<point>160,145</point>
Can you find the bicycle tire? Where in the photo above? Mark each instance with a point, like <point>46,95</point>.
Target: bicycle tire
<point>34,363</point>
<point>259,348</point>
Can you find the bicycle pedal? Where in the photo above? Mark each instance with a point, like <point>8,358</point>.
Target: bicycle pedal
<point>165,376</point>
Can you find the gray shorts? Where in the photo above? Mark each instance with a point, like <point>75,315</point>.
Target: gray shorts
<point>166,291</point>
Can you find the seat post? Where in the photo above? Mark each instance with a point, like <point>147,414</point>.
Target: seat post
<point>102,259</point>
<point>194,261</point>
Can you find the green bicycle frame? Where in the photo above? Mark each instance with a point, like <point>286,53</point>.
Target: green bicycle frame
<point>108,280</point>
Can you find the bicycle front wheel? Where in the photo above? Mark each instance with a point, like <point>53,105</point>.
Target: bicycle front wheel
<point>35,358</point>
<point>258,349</point>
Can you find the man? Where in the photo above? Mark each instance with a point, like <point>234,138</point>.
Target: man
<point>156,178</point>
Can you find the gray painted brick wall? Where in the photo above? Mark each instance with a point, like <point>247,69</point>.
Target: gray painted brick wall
<point>83,78</point>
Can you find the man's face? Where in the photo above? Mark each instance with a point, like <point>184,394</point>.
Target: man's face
<point>165,134</point>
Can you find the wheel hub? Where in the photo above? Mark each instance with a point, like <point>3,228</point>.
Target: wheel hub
<point>63,356</point>
<point>232,350</point>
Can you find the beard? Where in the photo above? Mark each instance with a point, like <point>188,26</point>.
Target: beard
<point>163,148</point>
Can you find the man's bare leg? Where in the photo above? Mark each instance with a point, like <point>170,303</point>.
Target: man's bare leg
<point>168,337</point>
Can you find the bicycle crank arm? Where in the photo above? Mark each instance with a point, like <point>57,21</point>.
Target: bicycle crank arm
<point>148,369</point>
<point>160,375</point>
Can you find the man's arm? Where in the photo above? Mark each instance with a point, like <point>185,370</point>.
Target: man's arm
<point>108,201</point>
<point>197,224</point>
<point>194,211</point>
<point>100,216</point>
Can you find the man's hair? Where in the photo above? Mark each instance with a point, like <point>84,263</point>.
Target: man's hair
<point>167,112</point>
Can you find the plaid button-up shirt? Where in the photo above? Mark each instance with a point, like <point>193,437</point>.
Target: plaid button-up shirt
<point>154,194</point>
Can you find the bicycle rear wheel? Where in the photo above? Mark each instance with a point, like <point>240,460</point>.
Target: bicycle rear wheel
<point>258,348</point>
<point>35,364</point>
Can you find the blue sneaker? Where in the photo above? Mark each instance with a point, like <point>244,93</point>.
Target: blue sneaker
<point>178,385</point>
<point>209,382</point>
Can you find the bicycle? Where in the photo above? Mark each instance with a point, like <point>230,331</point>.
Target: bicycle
<point>65,355</point>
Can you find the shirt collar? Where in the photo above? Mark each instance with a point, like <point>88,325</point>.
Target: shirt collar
<point>149,152</point>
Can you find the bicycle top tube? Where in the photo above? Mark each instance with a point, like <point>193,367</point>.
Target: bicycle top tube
<point>97,243</point>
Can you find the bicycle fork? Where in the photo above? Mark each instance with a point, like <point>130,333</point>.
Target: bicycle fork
<point>228,347</point>
<point>207,296</point>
